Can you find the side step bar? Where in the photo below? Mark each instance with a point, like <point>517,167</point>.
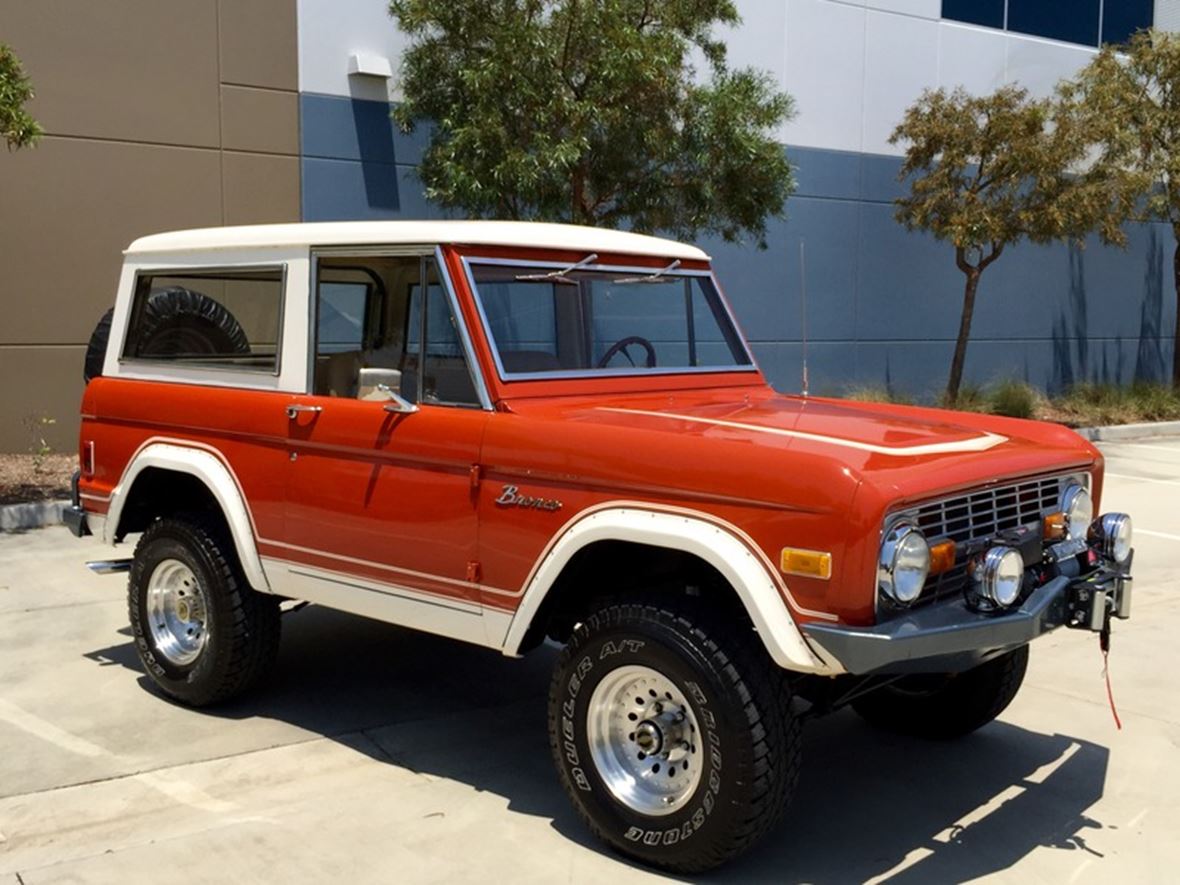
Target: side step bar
<point>109,566</point>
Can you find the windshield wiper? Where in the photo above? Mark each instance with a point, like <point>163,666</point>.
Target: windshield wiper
<point>560,275</point>
<point>657,277</point>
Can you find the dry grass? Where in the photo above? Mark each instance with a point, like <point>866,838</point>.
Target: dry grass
<point>1086,405</point>
<point>25,478</point>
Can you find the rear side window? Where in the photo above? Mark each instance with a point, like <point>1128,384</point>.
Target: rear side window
<point>225,319</point>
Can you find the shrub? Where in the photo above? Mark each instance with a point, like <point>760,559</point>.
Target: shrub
<point>1014,399</point>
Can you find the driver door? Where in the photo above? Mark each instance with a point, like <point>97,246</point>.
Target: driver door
<point>380,510</point>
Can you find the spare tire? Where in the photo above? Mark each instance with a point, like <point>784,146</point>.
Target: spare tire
<point>96,350</point>
<point>173,321</point>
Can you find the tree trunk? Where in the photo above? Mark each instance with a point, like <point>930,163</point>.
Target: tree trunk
<point>1176,334</point>
<point>956,378</point>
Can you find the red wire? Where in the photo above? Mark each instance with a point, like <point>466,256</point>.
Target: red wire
<point>1110,694</point>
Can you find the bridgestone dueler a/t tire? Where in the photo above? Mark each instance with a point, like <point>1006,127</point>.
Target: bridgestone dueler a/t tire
<point>741,701</point>
<point>243,625</point>
<point>957,705</point>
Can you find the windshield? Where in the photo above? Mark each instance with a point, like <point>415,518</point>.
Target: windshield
<point>553,319</point>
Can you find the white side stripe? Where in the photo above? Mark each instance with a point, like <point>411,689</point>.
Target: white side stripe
<point>975,444</point>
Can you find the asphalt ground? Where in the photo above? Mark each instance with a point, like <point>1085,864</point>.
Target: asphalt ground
<point>380,755</point>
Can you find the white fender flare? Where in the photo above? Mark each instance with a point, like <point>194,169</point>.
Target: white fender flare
<point>699,535</point>
<point>210,469</point>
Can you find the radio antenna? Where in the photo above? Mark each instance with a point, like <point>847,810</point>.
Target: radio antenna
<point>803,299</point>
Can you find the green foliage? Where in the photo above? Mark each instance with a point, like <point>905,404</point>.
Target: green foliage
<point>17,128</point>
<point>872,394</point>
<point>971,398</point>
<point>593,113</point>
<point>985,172</point>
<point>1097,404</point>
<point>1128,100</point>
<point>988,171</point>
<point>1014,399</point>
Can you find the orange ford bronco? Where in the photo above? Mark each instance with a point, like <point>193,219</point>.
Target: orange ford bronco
<point>508,433</point>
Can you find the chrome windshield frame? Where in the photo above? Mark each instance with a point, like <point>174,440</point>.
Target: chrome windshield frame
<point>627,371</point>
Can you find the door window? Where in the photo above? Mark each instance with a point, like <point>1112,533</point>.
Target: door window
<point>370,325</point>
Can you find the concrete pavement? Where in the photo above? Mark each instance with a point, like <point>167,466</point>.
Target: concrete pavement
<point>379,755</point>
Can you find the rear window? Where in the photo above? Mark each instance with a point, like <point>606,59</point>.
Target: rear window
<point>226,319</point>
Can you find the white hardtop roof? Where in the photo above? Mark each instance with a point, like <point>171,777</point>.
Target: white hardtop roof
<point>397,233</point>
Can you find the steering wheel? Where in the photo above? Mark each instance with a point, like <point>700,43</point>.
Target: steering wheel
<point>621,346</point>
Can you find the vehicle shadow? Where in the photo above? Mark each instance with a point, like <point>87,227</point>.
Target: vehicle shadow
<point>870,805</point>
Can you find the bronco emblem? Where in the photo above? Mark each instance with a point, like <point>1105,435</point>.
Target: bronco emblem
<point>510,496</point>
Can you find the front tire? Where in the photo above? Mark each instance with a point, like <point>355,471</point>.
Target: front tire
<point>673,736</point>
<point>202,633</point>
<point>946,706</point>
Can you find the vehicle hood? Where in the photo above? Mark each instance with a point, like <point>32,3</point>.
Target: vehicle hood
<point>905,452</point>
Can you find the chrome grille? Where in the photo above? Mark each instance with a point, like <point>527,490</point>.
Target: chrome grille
<point>979,515</point>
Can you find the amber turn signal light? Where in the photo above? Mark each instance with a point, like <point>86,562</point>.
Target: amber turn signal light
<point>1055,525</point>
<point>942,557</point>
<point>808,563</point>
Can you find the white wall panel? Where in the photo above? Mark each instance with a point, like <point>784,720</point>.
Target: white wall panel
<point>760,40</point>
<point>825,73</point>
<point>974,58</point>
<point>331,31</point>
<point>901,60</point>
<point>1038,64</point>
<point>1167,15</point>
<point>931,9</point>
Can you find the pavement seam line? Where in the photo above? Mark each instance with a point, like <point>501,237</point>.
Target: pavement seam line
<point>1101,703</point>
<point>131,775</point>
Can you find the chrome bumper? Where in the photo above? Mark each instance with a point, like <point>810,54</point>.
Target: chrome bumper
<point>948,636</point>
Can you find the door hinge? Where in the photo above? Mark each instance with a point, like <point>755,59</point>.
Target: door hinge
<point>473,573</point>
<point>476,473</point>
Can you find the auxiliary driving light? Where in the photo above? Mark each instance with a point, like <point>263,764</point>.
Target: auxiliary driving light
<point>1110,535</point>
<point>904,564</point>
<point>1078,508</point>
<point>1000,575</point>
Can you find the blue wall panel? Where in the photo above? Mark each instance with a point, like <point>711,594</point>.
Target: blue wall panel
<point>883,304</point>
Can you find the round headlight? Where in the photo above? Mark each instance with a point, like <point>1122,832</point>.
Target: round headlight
<point>1078,509</point>
<point>904,564</point>
<point>1001,575</point>
<point>1111,534</point>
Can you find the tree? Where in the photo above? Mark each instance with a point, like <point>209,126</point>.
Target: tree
<point>1128,97</point>
<point>985,172</point>
<point>17,128</point>
<point>592,113</point>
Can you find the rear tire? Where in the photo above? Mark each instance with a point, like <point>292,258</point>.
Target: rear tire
<point>710,709</point>
<point>202,633</point>
<point>941,707</point>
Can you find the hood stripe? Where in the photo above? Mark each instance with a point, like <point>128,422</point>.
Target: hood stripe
<point>975,444</point>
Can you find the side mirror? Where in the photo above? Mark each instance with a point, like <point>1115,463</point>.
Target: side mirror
<point>382,385</point>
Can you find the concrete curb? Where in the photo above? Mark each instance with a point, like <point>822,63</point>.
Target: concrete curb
<point>35,515</point>
<point>1117,432</point>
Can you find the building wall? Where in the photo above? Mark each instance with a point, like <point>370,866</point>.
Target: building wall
<point>159,114</point>
<point>883,305</point>
<point>164,115</point>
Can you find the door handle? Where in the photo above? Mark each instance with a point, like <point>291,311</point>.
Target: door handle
<point>294,410</point>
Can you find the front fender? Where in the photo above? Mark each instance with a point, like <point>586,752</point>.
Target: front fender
<point>719,544</point>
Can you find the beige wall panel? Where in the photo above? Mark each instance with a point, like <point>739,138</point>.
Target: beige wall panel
<point>259,120</point>
<point>138,70</point>
<point>258,43</point>
<point>50,384</point>
<point>260,189</point>
<point>69,209</point>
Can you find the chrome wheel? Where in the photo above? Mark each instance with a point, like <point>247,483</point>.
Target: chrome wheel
<point>177,612</point>
<point>644,740</point>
